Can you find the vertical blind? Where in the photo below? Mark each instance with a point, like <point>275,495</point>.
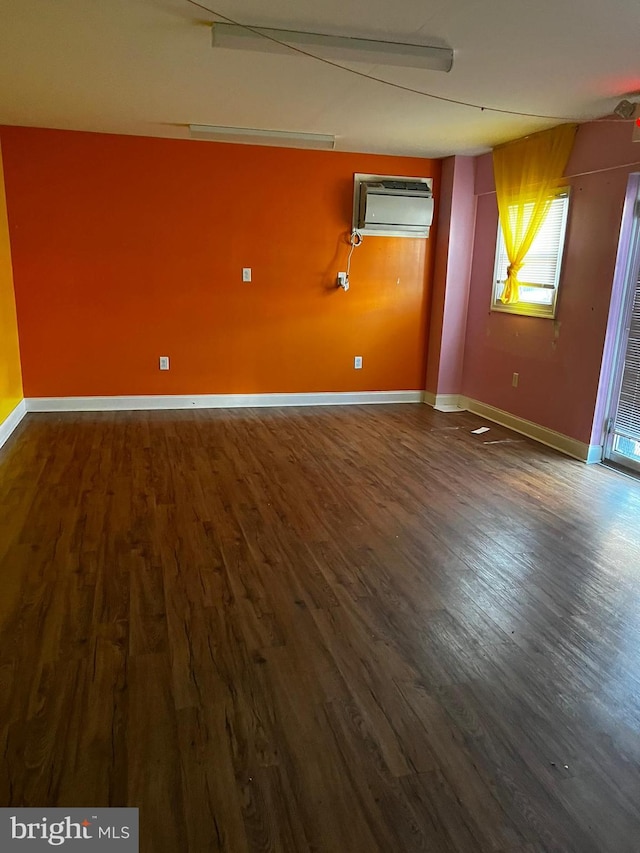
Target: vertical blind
<point>627,420</point>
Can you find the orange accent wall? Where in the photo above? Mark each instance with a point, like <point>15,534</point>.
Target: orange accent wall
<point>128,248</point>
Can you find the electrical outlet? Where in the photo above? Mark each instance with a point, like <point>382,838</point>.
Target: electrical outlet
<point>343,280</point>
<point>246,273</point>
<point>357,362</point>
<point>164,362</point>
<point>514,380</point>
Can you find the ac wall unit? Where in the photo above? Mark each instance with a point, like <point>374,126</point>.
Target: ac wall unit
<point>399,207</point>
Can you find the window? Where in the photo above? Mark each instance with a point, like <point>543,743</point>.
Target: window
<point>540,272</point>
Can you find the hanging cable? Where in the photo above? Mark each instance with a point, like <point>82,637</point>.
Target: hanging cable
<point>355,239</point>
<point>372,77</point>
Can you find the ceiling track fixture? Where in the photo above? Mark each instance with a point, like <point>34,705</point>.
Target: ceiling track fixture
<point>335,48</point>
<point>257,136</point>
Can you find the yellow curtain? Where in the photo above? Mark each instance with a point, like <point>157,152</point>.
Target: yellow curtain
<point>527,172</point>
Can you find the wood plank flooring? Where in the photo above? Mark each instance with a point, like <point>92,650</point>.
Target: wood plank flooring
<point>346,630</point>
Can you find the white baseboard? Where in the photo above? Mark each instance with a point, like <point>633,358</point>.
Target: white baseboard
<point>443,402</point>
<point>558,441</point>
<point>216,401</point>
<point>11,421</point>
<point>595,453</point>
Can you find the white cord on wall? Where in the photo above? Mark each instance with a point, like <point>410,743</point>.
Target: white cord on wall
<point>355,240</point>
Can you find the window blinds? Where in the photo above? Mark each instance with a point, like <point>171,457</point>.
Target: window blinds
<point>627,420</point>
<point>542,263</point>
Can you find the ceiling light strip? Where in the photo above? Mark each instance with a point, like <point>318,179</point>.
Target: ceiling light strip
<point>257,136</point>
<point>338,48</point>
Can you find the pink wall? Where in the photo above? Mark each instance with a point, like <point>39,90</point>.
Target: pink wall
<point>558,361</point>
<point>451,279</point>
<point>439,289</point>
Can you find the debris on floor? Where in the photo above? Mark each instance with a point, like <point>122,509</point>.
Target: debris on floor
<point>480,430</point>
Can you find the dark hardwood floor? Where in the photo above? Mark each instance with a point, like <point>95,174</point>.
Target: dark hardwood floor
<point>346,630</point>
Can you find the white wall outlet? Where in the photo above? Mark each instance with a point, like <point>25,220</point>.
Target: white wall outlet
<point>357,362</point>
<point>164,362</point>
<point>343,280</point>
<point>515,379</point>
<point>246,273</point>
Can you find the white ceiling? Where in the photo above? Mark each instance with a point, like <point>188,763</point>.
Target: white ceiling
<point>147,67</point>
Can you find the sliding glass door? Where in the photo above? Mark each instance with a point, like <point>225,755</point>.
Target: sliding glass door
<point>623,435</point>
